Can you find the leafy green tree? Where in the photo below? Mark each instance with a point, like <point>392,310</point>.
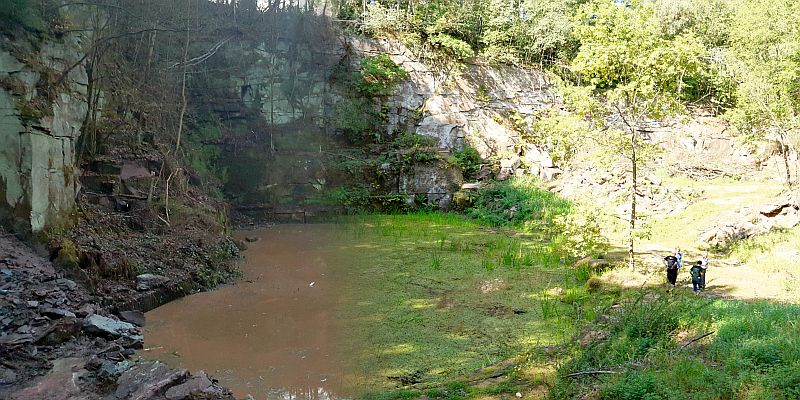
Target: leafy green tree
<point>514,32</point>
<point>637,72</point>
<point>763,58</point>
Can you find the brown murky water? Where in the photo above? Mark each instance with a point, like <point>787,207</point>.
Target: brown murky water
<point>271,335</point>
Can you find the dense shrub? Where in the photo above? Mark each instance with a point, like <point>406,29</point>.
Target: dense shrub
<point>357,120</point>
<point>469,160</point>
<point>379,75</point>
<point>517,202</point>
<point>525,32</point>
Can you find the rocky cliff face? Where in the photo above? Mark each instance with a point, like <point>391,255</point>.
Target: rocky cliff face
<point>277,87</point>
<point>282,139</point>
<point>470,107</point>
<point>40,122</point>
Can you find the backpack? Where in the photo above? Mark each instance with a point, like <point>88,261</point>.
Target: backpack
<point>696,271</point>
<point>671,261</point>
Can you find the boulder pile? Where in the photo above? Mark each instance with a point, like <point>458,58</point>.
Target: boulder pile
<point>751,221</point>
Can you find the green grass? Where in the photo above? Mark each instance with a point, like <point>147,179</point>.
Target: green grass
<point>440,296</point>
<point>434,297</point>
<point>754,352</point>
<point>772,252</point>
<point>717,197</point>
<point>775,253</point>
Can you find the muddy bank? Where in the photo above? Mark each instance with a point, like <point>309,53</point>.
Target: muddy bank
<point>58,342</point>
<point>273,333</point>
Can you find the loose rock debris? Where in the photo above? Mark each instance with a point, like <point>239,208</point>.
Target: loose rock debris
<point>58,342</point>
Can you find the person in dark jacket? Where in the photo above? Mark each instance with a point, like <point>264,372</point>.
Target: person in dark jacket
<point>704,264</point>
<point>671,262</point>
<point>696,271</point>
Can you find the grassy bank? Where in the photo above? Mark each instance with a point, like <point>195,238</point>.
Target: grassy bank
<point>656,349</point>
<point>436,297</point>
<point>442,302</point>
<point>774,255</point>
<point>448,306</point>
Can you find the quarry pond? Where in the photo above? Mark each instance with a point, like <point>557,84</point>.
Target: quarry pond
<point>271,334</point>
<point>374,303</point>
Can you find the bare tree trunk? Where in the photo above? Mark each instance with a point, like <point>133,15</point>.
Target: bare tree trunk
<point>785,155</point>
<point>152,46</point>
<point>183,86</point>
<point>634,187</point>
<point>631,126</point>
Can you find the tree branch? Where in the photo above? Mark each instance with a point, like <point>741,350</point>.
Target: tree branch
<point>199,59</point>
<point>103,40</point>
<point>595,372</point>
<point>685,345</point>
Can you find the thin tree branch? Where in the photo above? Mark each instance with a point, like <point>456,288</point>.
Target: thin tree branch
<point>595,372</point>
<point>685,345</point>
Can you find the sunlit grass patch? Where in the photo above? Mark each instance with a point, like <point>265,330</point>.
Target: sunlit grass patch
<point>453,295</point>
<point>719,196</point>
<point>681,346</point>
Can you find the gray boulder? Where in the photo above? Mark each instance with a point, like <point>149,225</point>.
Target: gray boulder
<point>145,282</point>
<point>7,376</point>
<point>56,313</point>
<point>112,370</point>
<point>104,326</point>
<point>550,173</point>
<point>146,380</point>
<point>135,317</point>
<point>197,384</point>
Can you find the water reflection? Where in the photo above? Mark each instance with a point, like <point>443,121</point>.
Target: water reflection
<point>309,393</point>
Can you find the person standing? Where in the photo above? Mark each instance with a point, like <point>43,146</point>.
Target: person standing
<point>671,262</point>
<point>678,255</point>
<point>696,271</point>
<point>704,265</point>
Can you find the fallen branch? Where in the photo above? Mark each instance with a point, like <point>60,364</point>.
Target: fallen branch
<point>199,59</point>
<point>163,220</point>
<point>595,372</point>
<point>123,195</point>
<point>685,345</point>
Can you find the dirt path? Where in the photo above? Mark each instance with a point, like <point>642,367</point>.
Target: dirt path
<point>759,278</point>
<point>725,278</point>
